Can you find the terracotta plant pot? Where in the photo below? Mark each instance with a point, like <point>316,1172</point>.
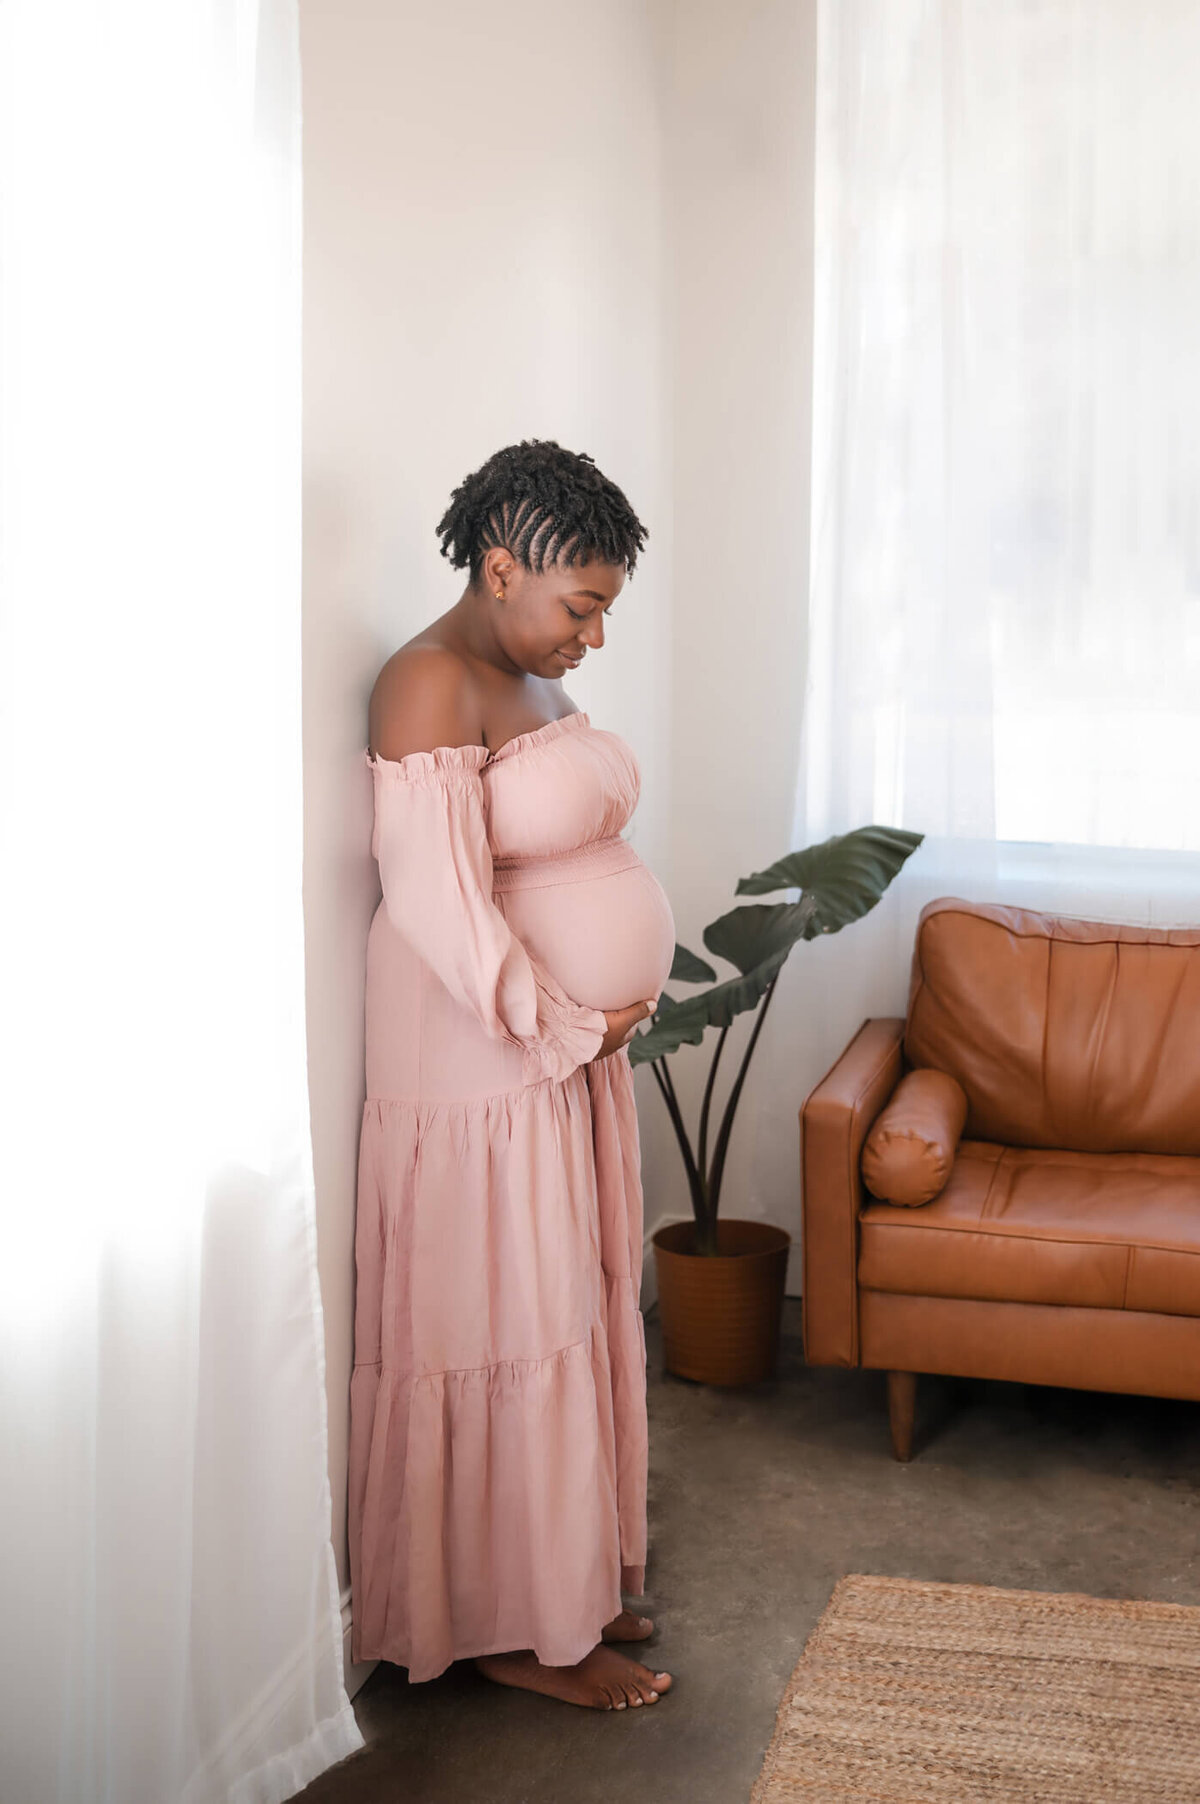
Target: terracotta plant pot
<point>720,1315</point>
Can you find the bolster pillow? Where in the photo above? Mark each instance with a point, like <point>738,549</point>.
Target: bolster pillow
<point>910,1150</point>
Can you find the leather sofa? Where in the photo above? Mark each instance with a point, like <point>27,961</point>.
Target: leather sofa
<point>1060,1242</point>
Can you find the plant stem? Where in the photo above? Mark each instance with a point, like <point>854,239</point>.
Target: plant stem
<point>726,1128</point>
<point>668,1080</point>
<point>695,1183</point>
<point>702,1145</point>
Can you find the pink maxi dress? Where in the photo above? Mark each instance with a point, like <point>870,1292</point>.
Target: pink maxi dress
<point>498,1442</point>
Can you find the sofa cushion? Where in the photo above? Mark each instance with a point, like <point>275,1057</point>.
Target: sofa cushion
<point>1063,1032</point>
<point>1023,1225</point>
<point>910,1150</point>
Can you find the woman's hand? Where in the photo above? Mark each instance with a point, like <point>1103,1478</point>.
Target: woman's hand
<point>621,1023</point>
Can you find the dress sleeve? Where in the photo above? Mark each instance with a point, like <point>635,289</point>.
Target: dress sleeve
<point>435,866</point>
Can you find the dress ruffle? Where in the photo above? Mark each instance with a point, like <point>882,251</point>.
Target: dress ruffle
<point>420,767</point>
<point>498,1421</point>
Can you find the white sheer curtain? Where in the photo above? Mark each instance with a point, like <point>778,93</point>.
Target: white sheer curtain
<point>169,1597</point>
<point>1005,581</point>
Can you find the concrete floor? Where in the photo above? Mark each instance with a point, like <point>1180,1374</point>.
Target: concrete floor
<point>760,1499</point>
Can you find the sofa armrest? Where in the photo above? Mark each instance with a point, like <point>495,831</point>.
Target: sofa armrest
<point>835,1119</point>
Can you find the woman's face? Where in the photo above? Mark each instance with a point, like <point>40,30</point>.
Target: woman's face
<point>548,623</point>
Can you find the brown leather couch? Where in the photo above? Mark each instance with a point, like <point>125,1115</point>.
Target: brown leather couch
<point>1063,1247</point>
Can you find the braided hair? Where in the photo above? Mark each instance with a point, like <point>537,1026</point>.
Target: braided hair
<point>543,504</point>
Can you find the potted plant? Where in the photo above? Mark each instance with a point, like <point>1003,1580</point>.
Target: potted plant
<point>721,1282</point>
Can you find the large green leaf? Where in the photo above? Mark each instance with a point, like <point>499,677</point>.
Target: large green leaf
<point>846,875</point>
<point>687,968</point>
<point>749,936</point>
<point>686,1021</point>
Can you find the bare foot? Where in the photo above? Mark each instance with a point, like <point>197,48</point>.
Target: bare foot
<point>627,1627</point>
<point>602,1680</point>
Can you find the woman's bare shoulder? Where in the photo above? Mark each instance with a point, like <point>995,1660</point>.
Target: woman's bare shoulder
<point>423,697</point>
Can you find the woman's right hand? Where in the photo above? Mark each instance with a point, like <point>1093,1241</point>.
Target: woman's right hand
<point>621,1023</point>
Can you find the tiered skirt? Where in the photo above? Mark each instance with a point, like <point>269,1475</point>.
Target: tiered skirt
<point>498,1438</point>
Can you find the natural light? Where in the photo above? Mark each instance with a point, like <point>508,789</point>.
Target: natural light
<point>141,683</point>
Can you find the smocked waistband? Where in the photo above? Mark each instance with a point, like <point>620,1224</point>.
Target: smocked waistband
<point>599,858</point>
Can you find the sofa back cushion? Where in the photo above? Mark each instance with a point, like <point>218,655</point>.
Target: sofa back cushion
<point>1082,1035</point>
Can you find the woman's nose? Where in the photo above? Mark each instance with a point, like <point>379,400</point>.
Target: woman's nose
<point>593,633</point>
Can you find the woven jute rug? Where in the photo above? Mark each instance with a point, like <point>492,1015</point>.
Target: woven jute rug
<point>913,1693</point>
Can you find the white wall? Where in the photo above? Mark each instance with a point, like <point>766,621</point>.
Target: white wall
<point>738,86</point>
<point>483,263</point>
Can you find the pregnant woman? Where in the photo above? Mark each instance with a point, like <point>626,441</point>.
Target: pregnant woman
<point>498,1444</point>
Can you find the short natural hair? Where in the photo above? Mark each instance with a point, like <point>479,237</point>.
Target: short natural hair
<point>543,504</point>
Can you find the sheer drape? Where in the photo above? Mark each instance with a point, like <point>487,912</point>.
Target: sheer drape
<point>1005,581</point>
<point>171,1625</point>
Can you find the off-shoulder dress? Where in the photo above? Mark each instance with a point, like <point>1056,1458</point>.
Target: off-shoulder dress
<point>498,1438</point>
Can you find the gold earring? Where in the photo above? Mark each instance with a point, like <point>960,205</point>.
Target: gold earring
<point>499,594</point>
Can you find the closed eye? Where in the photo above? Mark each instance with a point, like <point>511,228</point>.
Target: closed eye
<point>575,616</point>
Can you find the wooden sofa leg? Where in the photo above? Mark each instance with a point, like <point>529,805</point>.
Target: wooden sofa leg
<point>902,1410</point>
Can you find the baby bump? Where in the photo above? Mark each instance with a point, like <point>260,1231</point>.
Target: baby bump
<point>599,920</point>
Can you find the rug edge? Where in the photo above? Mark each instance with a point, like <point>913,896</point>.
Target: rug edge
<point>791,1686</point>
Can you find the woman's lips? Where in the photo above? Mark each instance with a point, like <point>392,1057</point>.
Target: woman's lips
<point>569,660</point>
